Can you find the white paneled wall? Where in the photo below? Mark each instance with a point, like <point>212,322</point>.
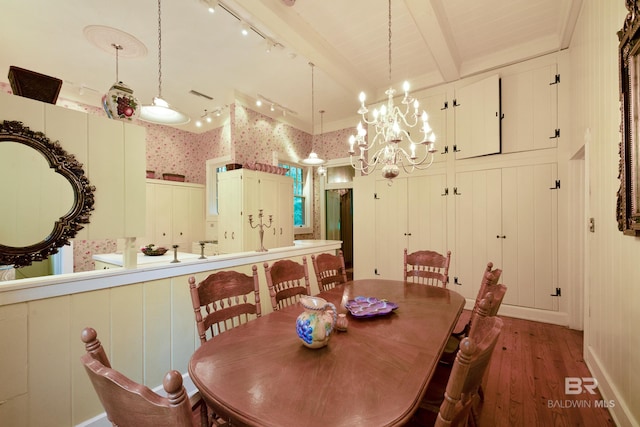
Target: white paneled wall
<point>612,275</point>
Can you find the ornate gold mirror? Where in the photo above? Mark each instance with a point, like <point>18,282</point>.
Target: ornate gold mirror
<point>628,206</point>
<point>42,184</point>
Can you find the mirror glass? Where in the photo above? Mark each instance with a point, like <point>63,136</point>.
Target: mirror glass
<point>34,195</point>
<point>46,196</point>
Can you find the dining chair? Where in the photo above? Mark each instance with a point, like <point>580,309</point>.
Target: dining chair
<point>128,403</point>
<point>452,391</point>
<point>287,281</point>
<point>223,300</point>
<point>489,284</point>
<point>330,270</point>
<point>427,267</point>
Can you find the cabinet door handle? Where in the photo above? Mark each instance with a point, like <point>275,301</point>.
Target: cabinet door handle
<point>501,237</point>
<point>225,234</point>
<point>281,231</point>
<point>274,231</point>
<point>233,235</point>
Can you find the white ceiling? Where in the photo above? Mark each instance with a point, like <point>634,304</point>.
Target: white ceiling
<point>433,42</point>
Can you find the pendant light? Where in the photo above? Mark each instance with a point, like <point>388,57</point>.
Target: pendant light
<point>313,159</point>
<point>119,103</point>
<point>160,111</point>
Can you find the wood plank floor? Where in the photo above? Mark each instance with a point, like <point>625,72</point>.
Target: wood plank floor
<point>525,383</point>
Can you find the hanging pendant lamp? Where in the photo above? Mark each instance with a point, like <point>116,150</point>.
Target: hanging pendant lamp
<point>119,103</point>
<point>160,111</point>
<point>313,159</point>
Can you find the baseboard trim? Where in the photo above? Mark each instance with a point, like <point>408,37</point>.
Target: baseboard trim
<point>620,412</point>
<point>526,313</point>
<point>101,420</point>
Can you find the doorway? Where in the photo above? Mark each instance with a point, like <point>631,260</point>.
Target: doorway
<point>339,222</point>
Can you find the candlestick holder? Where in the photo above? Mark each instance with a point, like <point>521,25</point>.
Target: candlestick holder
<point>175,253</point>
<point>261,226</point>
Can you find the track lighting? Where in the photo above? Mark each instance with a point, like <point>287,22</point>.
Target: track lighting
<point>211,5</point>
<point>244,28</point>
<point>273,106</point>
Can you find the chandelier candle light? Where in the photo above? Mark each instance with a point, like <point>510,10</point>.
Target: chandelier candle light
<point>390,123</point>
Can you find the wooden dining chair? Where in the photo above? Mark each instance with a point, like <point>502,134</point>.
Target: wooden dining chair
<point>287,280</point>
<point>223,300</point>
<point>128,403</point>
<point>330,270</point>
<point>453,391</point>
<point>489,284</point>
<point>427,267</point>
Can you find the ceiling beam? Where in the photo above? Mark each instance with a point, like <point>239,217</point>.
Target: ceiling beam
<point>431,21</point>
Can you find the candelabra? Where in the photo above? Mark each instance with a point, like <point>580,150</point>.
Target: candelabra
<point>261,226</point>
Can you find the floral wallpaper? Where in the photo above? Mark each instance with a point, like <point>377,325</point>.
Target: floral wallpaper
<point>247,136</point>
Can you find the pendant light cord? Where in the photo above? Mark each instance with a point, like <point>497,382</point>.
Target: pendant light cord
<point>117,47</point>
<point>159,51</point>
<point>312,110</point>
<point>389,41</point>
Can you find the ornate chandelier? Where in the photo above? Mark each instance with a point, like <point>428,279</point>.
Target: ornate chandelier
<point>390,124</point>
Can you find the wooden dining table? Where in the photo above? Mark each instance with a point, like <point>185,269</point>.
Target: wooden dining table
<point>373,374</point>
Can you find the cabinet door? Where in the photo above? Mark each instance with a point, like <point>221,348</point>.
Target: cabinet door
<point>530,108</point>
<point>478,228</point>
<point>427,213</point>
<point>529,228</point>
<point>163,216</point>
<point>196,220</point>
<point>180,218</point>
<point>269,201</point>
<point>285,211</point>
<point>229,216</point>
<point>390,227</point>
<point>477,118</point>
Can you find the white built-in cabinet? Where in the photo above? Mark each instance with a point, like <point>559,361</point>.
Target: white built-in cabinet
<point>410,213</point>
<point>508,216</point>
<point>494,195</point>
<point>175,214</point>
<point>245,192</point>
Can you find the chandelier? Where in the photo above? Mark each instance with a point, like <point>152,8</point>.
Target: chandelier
<point>390,123</point>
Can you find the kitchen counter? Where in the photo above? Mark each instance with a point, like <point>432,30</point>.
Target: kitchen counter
<point>115,259</point>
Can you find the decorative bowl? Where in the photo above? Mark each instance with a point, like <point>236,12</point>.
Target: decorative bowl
<point>153,251</point>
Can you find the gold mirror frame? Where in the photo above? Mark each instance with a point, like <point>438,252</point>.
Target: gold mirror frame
<point>628,205</point>
<point>68,225</point>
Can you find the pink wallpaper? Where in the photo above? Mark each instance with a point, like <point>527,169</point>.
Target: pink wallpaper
<point>247,136</point>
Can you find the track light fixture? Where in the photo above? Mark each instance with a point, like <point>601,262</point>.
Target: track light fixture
<point>273,106</point>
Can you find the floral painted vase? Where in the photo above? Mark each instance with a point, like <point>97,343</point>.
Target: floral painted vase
<point>315,324</point>
<point>120,104</point>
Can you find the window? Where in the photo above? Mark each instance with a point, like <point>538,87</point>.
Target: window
<point>301,197</point>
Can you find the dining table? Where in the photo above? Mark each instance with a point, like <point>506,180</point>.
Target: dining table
<point>373,374</point>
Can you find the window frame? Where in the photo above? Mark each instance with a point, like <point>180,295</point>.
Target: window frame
<point>307,193</point>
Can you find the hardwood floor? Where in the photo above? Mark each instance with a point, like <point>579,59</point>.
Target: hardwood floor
<point>525,383</point>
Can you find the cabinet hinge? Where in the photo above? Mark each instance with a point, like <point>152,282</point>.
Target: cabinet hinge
<point>556,80</point>
<point>557,185</point>
<point>556,134</point>
<point>558,293</point>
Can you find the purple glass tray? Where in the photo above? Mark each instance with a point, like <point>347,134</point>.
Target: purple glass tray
<point>369,307</point>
